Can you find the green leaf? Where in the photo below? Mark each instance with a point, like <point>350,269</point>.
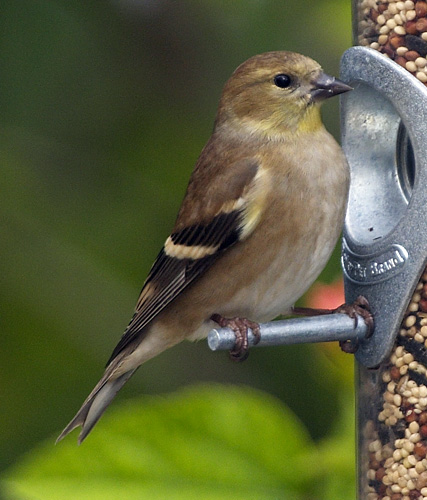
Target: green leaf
<point>211,442</point>
<point>338,454</point>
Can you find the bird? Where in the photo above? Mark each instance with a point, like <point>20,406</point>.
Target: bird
<point>261,215</point>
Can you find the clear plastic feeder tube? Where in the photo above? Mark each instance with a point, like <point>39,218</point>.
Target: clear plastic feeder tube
<point>392,413</point>
<point>392,393</point>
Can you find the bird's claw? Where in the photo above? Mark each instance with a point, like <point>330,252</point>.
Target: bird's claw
<point>240,327</point>
<point>360,307</point>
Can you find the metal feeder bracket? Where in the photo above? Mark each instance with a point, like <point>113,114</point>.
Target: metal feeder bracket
<point>384,136</point>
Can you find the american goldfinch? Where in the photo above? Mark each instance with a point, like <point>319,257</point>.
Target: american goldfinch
<point>262,213</point>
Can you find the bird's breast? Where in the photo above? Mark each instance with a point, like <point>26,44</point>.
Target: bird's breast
<point>302,220</point>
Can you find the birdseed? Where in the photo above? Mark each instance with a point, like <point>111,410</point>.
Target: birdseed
<point>396,29</point>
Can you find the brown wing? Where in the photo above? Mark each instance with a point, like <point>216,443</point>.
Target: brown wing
<point>187,253</point>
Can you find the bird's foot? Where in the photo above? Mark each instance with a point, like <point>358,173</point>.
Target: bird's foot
<point>360,307</point>
<point>240,326</point>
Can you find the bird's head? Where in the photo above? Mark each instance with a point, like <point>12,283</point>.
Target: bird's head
<point>276,93</point>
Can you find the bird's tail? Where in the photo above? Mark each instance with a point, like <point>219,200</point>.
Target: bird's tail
<point>96,403</point>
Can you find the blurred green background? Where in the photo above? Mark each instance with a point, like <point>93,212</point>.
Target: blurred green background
<point>104,108</point>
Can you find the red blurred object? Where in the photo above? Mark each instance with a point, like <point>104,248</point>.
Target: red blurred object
<point>331,296</point>
<point>323,296</point>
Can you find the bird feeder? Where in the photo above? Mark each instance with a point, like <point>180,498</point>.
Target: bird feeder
<point>384,135</point>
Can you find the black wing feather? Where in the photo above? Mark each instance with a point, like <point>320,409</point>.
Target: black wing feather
<point>169,276</point>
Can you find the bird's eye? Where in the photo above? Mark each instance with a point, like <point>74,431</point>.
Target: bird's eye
<point>282,81</point>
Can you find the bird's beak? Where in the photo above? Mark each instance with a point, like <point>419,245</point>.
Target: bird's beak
<point>325,86</point>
